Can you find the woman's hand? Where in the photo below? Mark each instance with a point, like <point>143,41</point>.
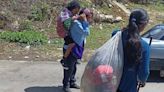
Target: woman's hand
<point>142,84</point>
<point>75,17</point>
<point>83,16</point>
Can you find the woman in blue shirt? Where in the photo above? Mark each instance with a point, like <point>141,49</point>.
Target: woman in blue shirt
<point>136,52</point>
<point>78,32</point>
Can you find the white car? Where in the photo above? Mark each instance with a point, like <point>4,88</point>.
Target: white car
<point>157,47</point>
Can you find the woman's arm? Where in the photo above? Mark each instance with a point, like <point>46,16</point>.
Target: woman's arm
<point>144,70</point>
<point>82,27</point>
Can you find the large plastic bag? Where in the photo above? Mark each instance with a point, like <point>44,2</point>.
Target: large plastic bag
<point>104,70</point>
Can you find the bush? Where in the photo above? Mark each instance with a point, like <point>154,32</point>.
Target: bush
<point>25,37</point>
<point>39,11</point>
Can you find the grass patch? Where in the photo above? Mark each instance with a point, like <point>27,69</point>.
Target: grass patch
<point>58,42</point>
<point>25,37</point>
<point>105,10</point>
<point>26,25</point>
<point>151,7</point>
<point>84,3</point>
<point>99,36</point>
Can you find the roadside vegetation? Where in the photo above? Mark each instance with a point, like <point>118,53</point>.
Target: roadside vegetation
<point>35,27</point>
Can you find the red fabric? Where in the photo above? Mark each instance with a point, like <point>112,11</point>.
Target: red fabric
<point>60,28</point>
<point>102,74</point>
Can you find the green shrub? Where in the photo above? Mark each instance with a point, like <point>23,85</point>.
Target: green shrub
<point>25,37</point>
<point>39,11</point>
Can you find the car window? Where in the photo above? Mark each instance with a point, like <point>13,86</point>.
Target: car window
<point>156,31</point>
<point>155,34</point>
<point>152,33</point>
<point>162,38</point>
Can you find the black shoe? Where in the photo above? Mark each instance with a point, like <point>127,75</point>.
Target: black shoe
<point>66,89</point>
<point>75,86</point>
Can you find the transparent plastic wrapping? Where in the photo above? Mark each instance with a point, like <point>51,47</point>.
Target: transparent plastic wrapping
<point>104,70</point>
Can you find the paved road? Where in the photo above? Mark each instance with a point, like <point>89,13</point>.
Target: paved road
<point>21,76</point>
<point>154,84</point>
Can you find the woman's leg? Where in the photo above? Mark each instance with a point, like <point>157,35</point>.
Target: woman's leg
<point>73,79</point>
<point>69,49</point>
<point>68,70</point>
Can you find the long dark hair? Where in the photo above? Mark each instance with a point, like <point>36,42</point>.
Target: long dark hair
<point>133,45</point>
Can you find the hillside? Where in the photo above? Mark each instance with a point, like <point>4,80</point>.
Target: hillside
<point>23,16</point>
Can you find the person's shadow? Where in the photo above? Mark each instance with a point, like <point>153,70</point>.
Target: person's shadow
<point>44,89</point>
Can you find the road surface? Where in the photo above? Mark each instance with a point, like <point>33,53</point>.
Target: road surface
<point>44,76</point>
